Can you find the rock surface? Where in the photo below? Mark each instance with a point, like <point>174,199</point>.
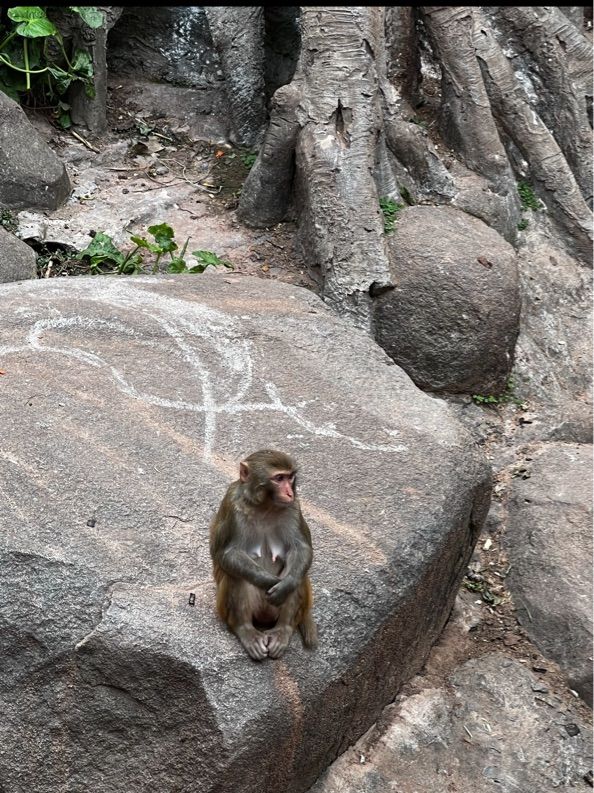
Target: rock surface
<point>171,44</point>
<point>550,549</point>
<point>492,728</point>
<point>130,402</point>
<point>17,260</point>
<point>31,175</point>
<point>553,363</point>
<point>452,319</point>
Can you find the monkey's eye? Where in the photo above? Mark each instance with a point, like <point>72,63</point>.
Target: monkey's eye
<point>278,478</point>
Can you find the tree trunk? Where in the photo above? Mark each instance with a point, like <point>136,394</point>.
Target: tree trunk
<point>89,111</point>
<point>238,35</point>
<point>431,106</point>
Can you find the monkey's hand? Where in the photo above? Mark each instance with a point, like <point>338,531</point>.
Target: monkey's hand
<point>280,592</point>
<point>265,580</point>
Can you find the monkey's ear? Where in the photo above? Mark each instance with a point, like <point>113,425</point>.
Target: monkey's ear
<point>244,471</point>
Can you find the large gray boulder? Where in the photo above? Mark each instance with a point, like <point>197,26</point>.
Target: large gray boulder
<point>127,404</point>
<point>31,175</point>
<point>453,317</point>
<point>549,539</point>
<point>17,259</point>
<point>494,727</point>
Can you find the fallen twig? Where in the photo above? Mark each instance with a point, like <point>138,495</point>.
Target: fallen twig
<point>84,142</point>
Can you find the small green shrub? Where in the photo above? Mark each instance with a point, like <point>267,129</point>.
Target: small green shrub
<point>528,197</point>
<point>8,221</point>
<point>390,210</point>
<point>249,159</point>
<point>503,399</point>
<point>523,225</point>
<point>104,256</point>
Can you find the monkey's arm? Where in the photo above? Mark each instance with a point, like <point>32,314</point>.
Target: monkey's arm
<point>297,564</point>
<point>239,564</point>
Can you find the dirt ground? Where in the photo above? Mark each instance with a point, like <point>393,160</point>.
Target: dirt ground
<point>152,168</point>
<point>148,169</point>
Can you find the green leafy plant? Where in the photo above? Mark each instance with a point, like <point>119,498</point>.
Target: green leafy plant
<point>523,225</point>
<point>502,399</point>
<point>34,60</point>
<point>164,243</point>
<point>206,258</point>
<point>8,221</point>
<point>390,210</point>
<point>478,584</point>
<point>527,196</point>
<point>103,254</point>
<point>249,159</point>
<point>105,257</point>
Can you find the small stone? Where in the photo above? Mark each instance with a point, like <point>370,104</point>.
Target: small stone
<point>572,729</point>
<point>510,639</point>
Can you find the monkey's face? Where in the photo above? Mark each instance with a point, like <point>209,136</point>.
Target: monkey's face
<point>269,478</point>
<point>282,487</point>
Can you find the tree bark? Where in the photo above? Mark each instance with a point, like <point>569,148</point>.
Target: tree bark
<point>554,180</point>
<point>238,35</point>
<point>547,36</point>
<point>341,135</point>
<point>467,122</point>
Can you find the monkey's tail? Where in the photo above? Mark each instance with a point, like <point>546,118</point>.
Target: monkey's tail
<point>309,631</point>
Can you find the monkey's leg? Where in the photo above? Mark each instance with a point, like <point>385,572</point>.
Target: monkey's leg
<point>244,602</point>
<point>280,636</point>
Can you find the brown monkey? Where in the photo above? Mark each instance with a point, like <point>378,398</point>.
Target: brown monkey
<point>261,551</point>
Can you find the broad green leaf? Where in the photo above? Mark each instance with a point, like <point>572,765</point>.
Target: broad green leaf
<point>144,243</point>
<point>90,15</point>
<point>163,234</point>
<point>102,248</point>
<point>62,78</point>
<point>208,257</point>
<point>64,119</point>
<point>82,63</point>
<point>177,266</point>
<point>26,13</point>
<point>33,21</point>
<point>198,268</point>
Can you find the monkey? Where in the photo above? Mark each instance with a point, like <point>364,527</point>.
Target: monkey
<point>261,551</point>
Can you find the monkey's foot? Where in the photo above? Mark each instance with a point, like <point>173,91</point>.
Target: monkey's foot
<point>255,643</point>
<point>278,640</point>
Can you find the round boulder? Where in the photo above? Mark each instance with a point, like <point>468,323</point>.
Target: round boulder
<point>452,320</point>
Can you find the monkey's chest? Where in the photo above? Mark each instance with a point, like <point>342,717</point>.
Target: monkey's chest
<point>269,552</point>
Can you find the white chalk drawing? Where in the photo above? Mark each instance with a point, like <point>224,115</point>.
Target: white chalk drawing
<point>184,322</point>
